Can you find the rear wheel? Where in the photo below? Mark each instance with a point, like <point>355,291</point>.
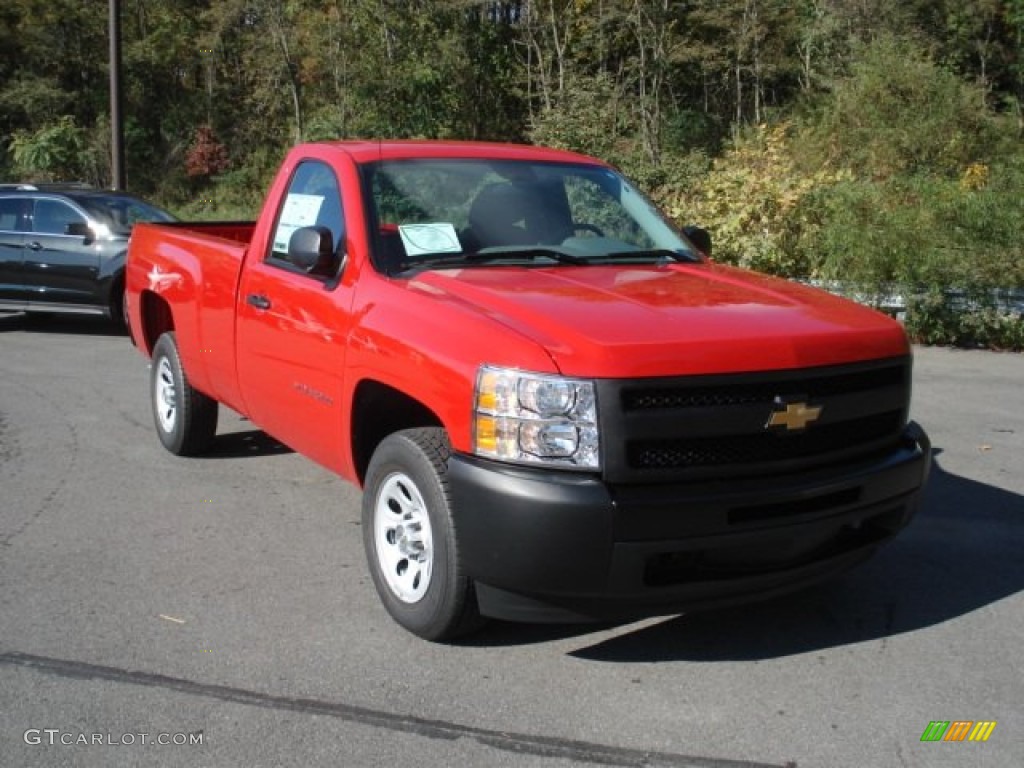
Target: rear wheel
<point>185,418</point>
<point>410,538</point>
<point>116,306</point>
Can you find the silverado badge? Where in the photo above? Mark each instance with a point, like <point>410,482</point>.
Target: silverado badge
<point>793,416</point>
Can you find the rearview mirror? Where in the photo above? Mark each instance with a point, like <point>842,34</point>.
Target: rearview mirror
<point>80,229</point>
<point>311,249</point>
<point>701,238</point>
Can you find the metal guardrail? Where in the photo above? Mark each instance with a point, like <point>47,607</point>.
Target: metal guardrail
<point>894,302</point>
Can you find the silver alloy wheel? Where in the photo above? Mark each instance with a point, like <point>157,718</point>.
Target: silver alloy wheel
<point>404,540</point>
<point>165,398</point>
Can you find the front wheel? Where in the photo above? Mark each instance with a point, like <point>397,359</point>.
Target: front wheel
<point>410,537</point>
<point>185,418</point>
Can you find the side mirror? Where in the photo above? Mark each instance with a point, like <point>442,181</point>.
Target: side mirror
<point>81,229</point>
<point>701,238</point>
<point>311,249</point>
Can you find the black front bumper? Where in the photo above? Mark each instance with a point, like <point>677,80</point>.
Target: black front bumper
<point>547,545</point>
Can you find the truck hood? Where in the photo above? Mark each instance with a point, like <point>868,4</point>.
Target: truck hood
<point>669,320</point>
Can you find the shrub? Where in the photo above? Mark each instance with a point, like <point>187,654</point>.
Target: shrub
<point>753,201</point>
<point>939,317</point>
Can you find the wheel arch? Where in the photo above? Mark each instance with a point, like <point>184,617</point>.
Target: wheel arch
<point>379,410</point>
<point>157,318</point>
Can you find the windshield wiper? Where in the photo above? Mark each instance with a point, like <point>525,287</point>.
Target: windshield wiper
<point>512,254</point>
<point>525,252</point>
<point>658,254</point>
<point>487,256</point>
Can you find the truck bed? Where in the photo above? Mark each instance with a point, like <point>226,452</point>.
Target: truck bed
<point>194,266</point>
<point>237,231</point>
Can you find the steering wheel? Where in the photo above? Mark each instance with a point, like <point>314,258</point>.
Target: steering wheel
<point>582,225</point>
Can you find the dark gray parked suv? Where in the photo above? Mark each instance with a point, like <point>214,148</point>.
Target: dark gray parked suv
<point>63,246</point>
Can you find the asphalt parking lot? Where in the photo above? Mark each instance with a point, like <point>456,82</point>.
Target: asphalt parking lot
<point>224,600</point>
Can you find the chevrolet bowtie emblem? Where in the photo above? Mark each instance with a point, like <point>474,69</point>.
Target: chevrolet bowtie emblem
<point>793,416</point>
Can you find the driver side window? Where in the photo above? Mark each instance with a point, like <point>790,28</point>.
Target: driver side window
<point>52,217</point>
<point>313,199</point>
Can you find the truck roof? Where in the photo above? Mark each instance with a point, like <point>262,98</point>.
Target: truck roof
<point>367,151</point>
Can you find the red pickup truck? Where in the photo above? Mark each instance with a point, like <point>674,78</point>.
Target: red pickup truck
<point>557,406</point>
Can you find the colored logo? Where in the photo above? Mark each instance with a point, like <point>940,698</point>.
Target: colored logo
<point>958,730</point>
<point>793,416</point>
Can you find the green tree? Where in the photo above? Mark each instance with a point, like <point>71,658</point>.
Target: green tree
<point>900,112</point>
<point>163,94</point>
<point>54,152</point>
<point>748,48</point>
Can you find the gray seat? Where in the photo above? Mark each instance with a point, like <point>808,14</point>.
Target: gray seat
<point>516,213</point>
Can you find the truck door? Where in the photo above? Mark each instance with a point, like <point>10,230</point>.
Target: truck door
<point>292,326</point>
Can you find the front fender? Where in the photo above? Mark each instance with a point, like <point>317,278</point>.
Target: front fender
<point>430,346</point>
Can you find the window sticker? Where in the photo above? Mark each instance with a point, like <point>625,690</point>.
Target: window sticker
<point>299,211</point>
<point>420,239</point>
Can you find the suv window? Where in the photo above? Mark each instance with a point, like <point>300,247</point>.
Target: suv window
<point>119,212</point>
<point>12,214</point>
<point>52,217</point>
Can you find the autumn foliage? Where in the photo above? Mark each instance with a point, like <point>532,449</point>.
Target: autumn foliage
<point>207,156</point>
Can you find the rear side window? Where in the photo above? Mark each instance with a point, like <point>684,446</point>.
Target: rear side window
<point>313,199</point>
<point>12,213</point>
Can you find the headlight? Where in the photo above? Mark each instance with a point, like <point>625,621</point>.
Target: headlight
<point>533,418</point>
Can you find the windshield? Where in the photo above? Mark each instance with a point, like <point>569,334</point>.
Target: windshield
<point>120,212</point>
<point>444,213</point>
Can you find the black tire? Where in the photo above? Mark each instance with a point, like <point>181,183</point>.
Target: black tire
<point>116,306</point>
<point>436,602</point>
<point>185,419</point>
